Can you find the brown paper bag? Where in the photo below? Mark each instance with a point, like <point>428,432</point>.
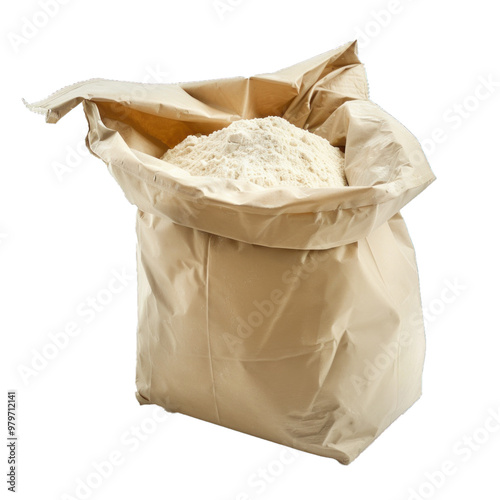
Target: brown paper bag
<point>292,314</point>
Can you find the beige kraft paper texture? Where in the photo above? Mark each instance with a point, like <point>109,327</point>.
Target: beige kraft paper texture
<point>292,314</point>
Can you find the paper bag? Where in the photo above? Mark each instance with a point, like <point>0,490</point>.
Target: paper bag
<point>292,314</point>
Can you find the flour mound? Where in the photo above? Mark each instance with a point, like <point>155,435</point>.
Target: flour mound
<point>266,151</point>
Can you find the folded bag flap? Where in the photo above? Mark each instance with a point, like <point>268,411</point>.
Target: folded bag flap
<point>131,125</point>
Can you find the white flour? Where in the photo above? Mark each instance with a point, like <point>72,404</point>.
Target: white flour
<point>266,151</point>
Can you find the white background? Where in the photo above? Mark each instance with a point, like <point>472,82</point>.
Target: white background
<point>63,237</point>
